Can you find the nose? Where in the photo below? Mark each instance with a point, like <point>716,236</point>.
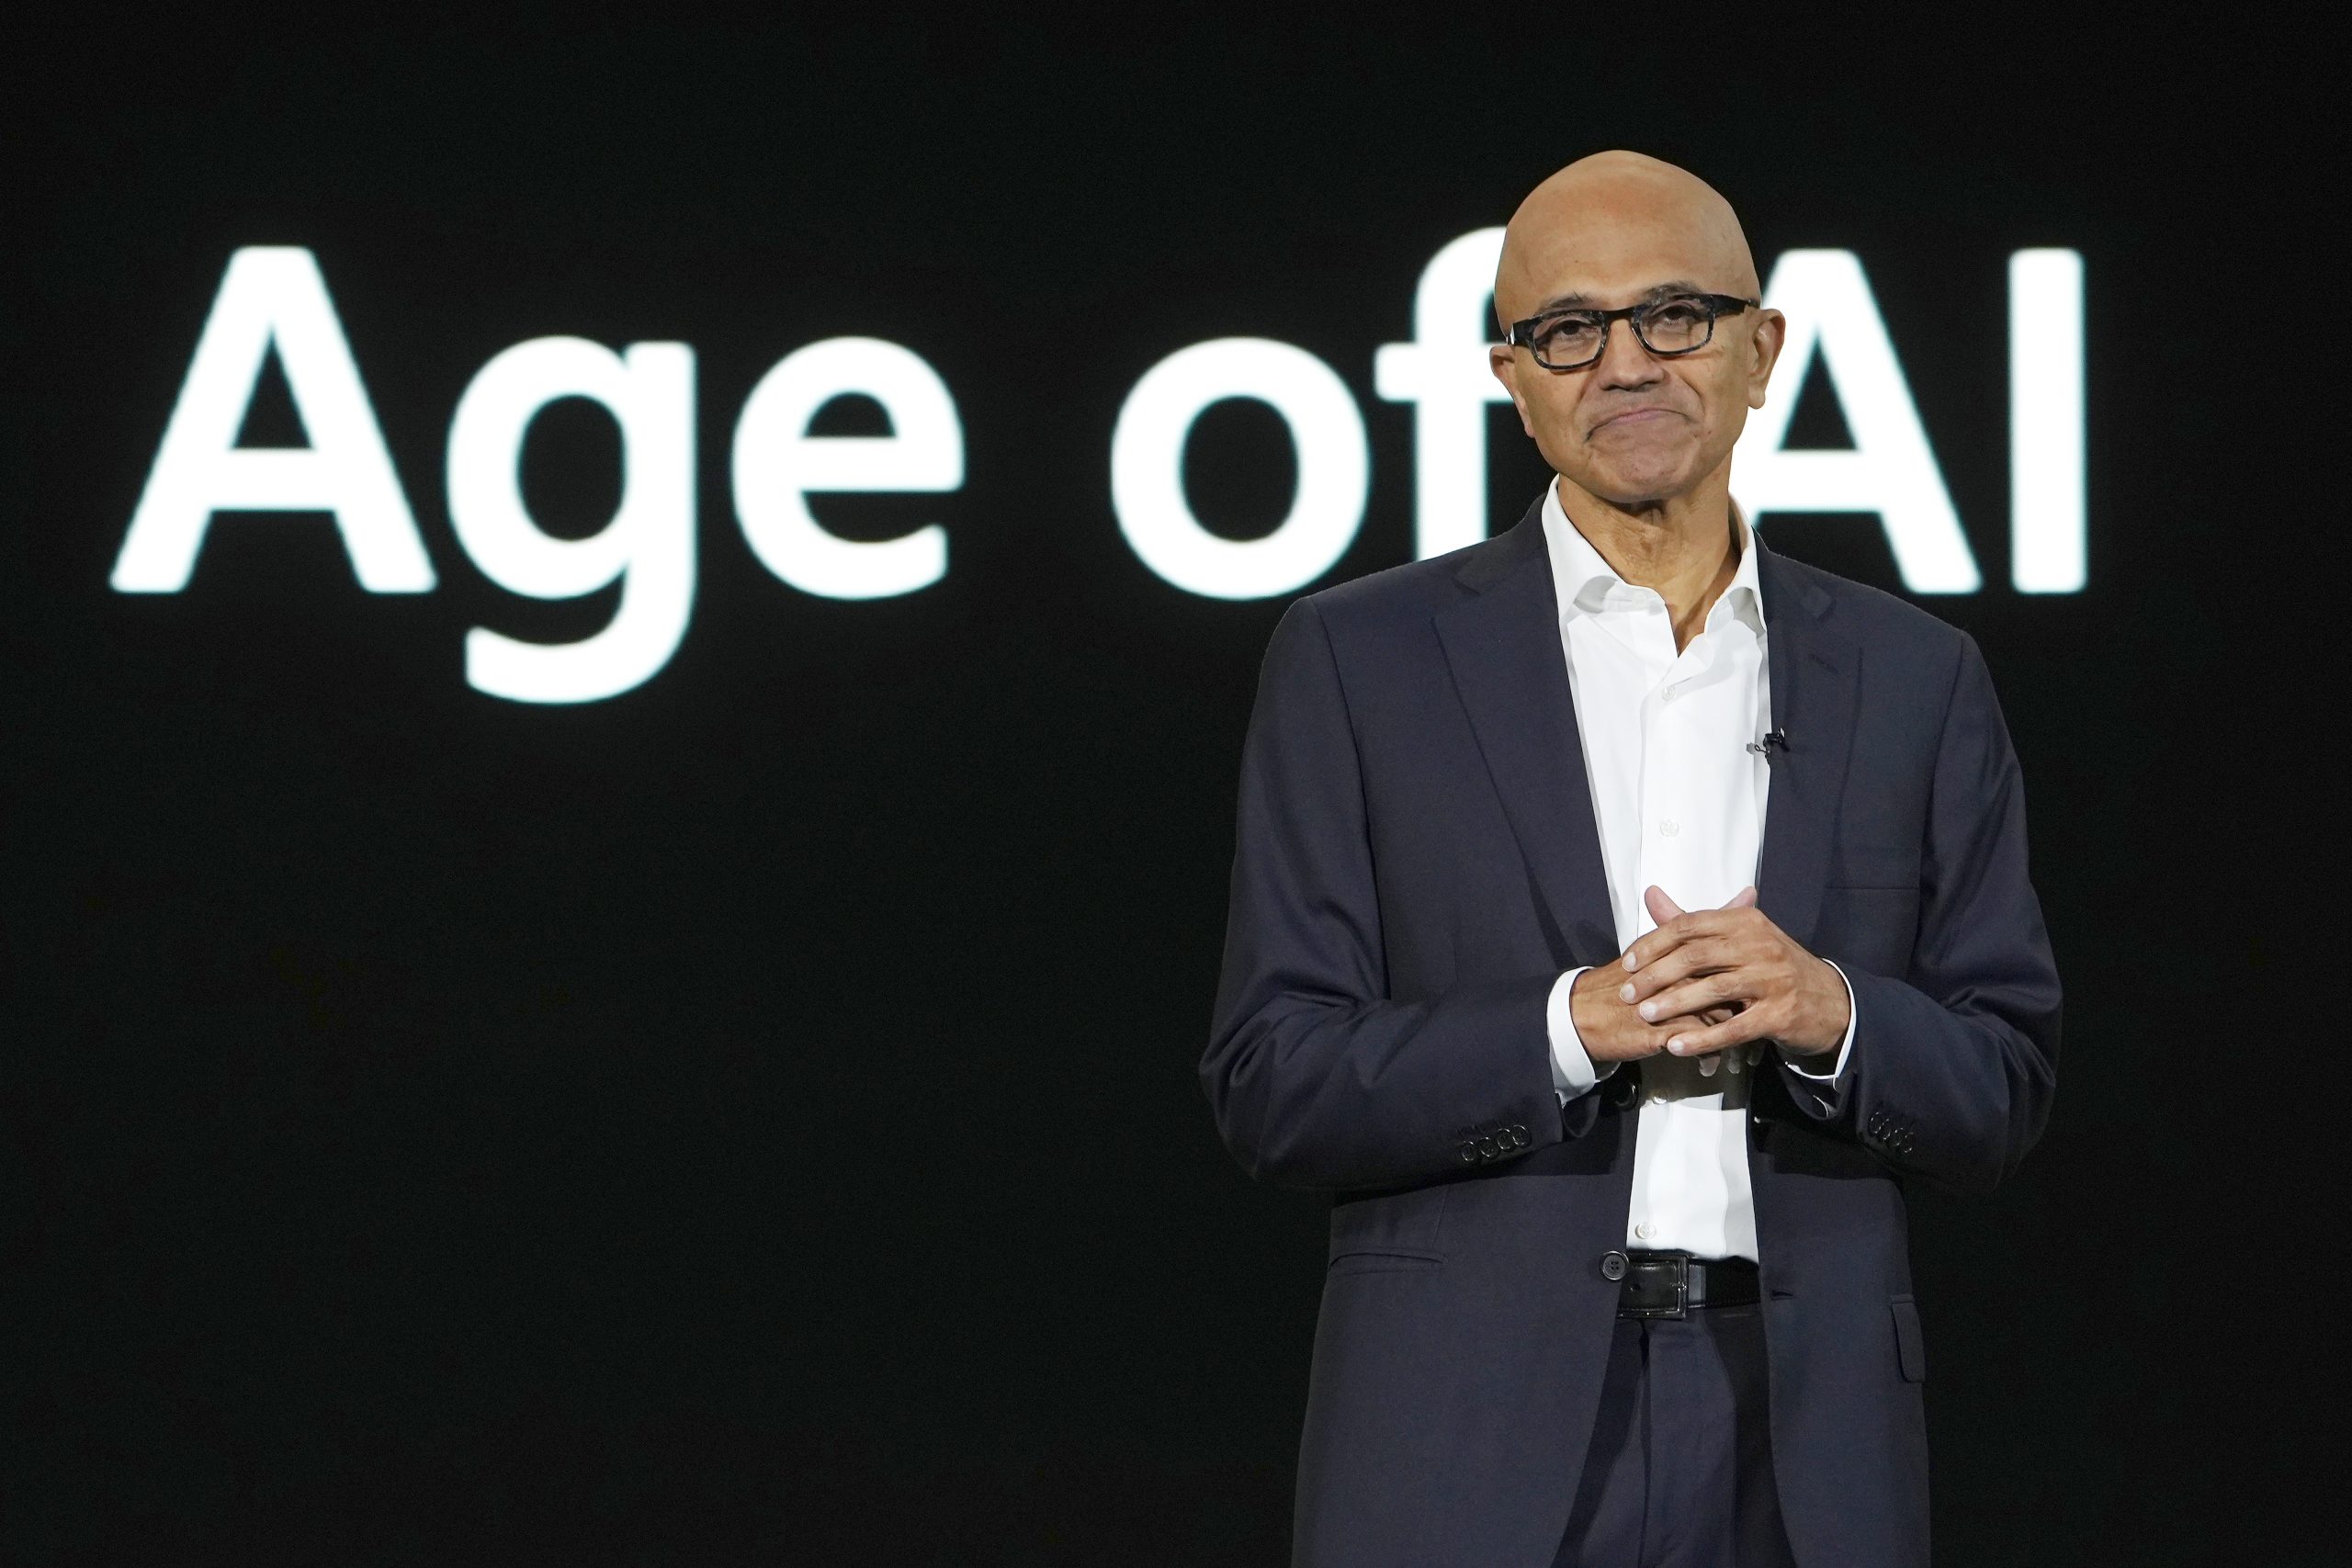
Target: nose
<point>1624,361</point>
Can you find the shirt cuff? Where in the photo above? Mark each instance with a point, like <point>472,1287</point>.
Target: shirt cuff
<point>1572,1071</point>
<point>1796,1061</point>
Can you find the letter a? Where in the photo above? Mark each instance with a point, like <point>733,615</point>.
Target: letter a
<point>272,295</point>
<point>1891,470</point>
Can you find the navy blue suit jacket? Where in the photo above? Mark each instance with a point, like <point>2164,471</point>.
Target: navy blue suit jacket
<point>1417,863</point>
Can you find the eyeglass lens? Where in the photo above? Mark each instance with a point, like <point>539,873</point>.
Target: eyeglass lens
<point>1670,326</point>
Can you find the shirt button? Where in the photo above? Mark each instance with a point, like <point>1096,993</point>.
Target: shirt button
<point>1645,1230</point>
<point>1669,827</point>
<point>1671,693</point>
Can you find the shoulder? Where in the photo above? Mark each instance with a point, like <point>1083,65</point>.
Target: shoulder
<point>1412,592</point>
<point>1886,625</point>
<point>1399,601</point>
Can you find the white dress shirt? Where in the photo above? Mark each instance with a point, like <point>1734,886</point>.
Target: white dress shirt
<point>1680,803</point>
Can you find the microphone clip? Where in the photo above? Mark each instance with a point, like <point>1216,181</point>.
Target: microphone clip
<point>1774,740</point>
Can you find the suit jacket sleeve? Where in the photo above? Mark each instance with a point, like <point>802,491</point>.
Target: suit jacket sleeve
<point>1953,1065</point>
<point>1317,1078</point>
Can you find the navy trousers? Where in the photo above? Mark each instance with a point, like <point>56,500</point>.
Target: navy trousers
<point>1679,1473</point>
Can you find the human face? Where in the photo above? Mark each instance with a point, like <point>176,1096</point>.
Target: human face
<point>1635,429</point>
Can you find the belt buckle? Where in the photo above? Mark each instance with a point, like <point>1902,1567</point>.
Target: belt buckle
<point>1679,1275</point>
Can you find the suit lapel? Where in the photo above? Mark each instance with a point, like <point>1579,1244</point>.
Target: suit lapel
<point>1813,677</point>
<point>1503,647</point>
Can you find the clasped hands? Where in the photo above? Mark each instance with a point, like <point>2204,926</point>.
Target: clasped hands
<point>1706,980</point>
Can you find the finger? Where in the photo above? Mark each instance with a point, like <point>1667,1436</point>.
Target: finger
<point>1693,1020</point>
<point>1651,945</point>
<point>1747,1026</point>
<point>1700,992</point>
<point>1697,956</point>
<point>1664,910</point>
<point>1691,1023</point>
<point>1740,920</point>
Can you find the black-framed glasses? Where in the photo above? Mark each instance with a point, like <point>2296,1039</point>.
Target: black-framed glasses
<point>1570,340</point>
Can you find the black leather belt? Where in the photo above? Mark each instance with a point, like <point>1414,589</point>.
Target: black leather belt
<point>1668,1284</point>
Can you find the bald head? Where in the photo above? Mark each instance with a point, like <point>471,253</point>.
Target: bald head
<point>1635,430</point>
<point>1618,220</point>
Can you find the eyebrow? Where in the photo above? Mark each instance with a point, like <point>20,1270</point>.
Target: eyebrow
<point>1586,302</point>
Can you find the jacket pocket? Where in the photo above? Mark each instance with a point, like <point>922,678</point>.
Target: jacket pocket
<point>1391,1230</point>
<point>1384,1263</point>
<point>1910,1345</point>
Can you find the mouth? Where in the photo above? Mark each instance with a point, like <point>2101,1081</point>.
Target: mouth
<point>1636,419</point>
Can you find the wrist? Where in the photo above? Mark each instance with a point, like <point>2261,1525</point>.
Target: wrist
<point>1835,1011</point>
<point>1609,1030</point>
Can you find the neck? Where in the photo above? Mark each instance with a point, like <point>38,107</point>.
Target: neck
<point>1684,547</point>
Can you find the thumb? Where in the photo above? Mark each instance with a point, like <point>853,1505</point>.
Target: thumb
<point>1662,908</point>
<point>1743,899</point>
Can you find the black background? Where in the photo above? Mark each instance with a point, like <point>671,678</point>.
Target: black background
<point>754,1117</point>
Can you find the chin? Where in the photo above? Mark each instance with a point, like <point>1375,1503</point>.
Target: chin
<point>1633,485</point>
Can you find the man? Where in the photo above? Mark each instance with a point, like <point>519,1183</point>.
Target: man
<point>1621,913</point>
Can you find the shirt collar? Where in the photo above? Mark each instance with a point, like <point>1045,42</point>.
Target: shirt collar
<point>1582,578</point>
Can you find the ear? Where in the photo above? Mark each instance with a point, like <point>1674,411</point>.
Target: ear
<point>1504,362</point>
<point>1764,352</point>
